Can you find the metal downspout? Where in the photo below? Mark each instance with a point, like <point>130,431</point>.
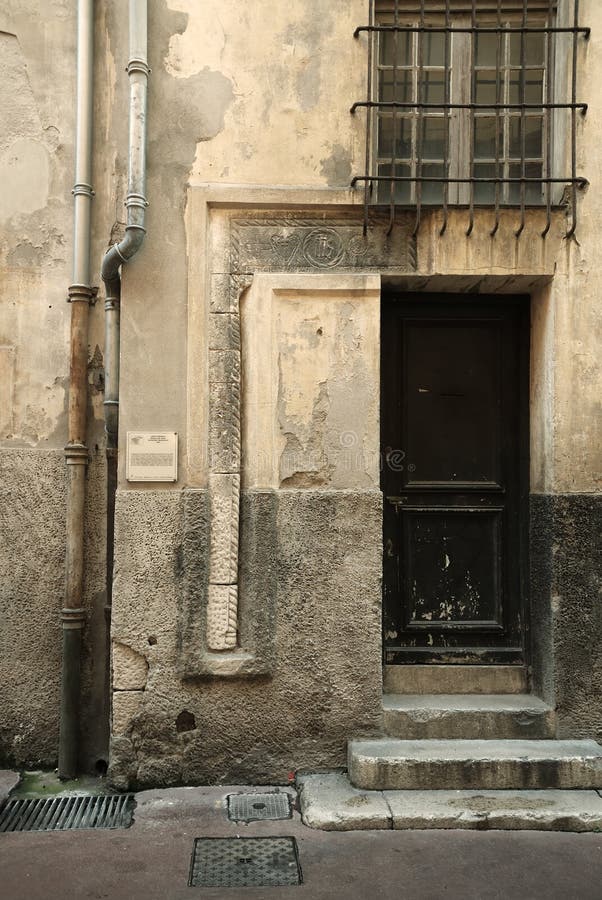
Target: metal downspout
<point>136,203</point>
<point>120,253</point>
<point>80,295</point>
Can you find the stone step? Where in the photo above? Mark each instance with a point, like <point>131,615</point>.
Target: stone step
<point>444,679</point>
<point>330,802</point>
<point>392,764</point>
<point>467,716</point>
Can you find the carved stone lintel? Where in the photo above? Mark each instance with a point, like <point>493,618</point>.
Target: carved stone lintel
<point>291,244</point>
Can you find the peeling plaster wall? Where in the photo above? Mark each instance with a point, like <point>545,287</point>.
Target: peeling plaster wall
<point>302,71</point>
<point>186,109</point>
<point>248,94</point>
<point>311,382</point>
<point>37,99</point>
<point>280,120</point>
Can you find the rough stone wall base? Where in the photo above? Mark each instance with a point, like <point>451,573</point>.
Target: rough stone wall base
<point>32,575</point>
<point>566,600</point>
<point>325,549</point>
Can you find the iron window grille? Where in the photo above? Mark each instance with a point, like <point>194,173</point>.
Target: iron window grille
<point>472,104</point>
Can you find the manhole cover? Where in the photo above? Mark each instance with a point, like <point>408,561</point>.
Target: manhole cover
<point>65,813</point>
<point>254,807</point>
<point>244,862</point>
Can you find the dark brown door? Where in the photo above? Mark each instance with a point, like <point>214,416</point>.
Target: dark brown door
<point>455,478</point>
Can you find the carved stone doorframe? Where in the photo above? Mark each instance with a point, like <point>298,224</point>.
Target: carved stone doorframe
<point>240,240</point>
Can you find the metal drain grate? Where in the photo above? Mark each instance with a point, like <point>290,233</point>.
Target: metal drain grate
<point>245,862</point>
<point>254,807</point>
<point>65,813</point>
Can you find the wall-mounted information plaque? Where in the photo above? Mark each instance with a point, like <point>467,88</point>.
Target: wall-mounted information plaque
<point>152,456</point>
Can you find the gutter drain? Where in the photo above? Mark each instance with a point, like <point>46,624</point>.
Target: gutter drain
<point>67,813</point>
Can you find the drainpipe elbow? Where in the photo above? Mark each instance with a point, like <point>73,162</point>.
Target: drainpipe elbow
<point>109,272</point>
<point>132,242</point>
<point>118,254</point>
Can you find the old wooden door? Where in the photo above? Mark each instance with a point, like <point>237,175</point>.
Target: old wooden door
<point>455,478</point>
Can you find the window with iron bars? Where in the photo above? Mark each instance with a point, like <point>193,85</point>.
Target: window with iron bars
<point>468,103</point>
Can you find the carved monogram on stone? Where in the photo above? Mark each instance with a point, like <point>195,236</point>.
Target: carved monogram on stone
<point>290,244</point>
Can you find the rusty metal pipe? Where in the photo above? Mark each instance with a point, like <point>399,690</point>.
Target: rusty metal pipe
<point>80,295</point>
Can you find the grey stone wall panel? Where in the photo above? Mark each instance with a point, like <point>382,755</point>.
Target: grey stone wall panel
<point>320,553</point>
<point>566,587</point>
<point>32,573</point>
<point>32,542</point>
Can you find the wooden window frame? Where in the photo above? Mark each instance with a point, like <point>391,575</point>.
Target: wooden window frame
<point>461,159</point>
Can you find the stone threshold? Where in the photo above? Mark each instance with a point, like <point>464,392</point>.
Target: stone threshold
<point>330,802</point>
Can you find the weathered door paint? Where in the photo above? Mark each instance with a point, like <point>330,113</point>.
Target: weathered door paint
<point>455,478</point>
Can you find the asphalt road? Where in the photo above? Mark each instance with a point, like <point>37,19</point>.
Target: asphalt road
<point>151,859</point>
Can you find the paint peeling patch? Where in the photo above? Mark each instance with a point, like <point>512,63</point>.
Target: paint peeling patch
<point>96,372</point>
<point>336,168</point>
<point>306,465</point>
<point>190,106</point>
<point>194,109</point>
<point>20,117</point>
<point>196,42</point>
<point>305,480</point>
<point>446,610</point>
<point>24,178</point>
<point>34,243</point>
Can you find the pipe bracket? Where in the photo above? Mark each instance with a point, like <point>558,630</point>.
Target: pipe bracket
<point>81,189</point>
<point>82,293</point>
<point>138,65</point>
<point>73,617</point>
<point>137,200</point>
<point>76,455</point>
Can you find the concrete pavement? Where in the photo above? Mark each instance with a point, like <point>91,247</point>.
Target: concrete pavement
<point>150,860</point>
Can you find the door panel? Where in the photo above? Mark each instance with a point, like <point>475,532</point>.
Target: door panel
<point>454,479</point>
<point>451,376</point>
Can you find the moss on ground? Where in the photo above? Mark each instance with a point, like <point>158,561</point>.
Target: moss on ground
<point>48,784</point>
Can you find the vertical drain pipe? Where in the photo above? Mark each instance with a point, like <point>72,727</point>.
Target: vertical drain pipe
<point>120,253</point>
<point>80,296</point>
<point>136,203</point>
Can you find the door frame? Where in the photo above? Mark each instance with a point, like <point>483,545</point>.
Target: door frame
<point>522,304</point>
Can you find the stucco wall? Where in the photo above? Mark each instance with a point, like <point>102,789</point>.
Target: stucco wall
<point>37,85</point>
<point>255,95</point>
